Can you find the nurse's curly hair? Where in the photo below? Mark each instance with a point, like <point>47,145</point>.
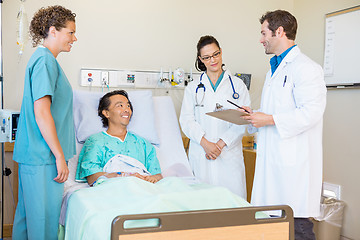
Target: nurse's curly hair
<point>44,18</point>
<point>104,104</point>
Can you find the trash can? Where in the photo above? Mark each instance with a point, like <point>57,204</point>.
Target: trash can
<point>328,225</point>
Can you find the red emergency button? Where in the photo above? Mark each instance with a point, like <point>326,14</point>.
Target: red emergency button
<point>89,74</point>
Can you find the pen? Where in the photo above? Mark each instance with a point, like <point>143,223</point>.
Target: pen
<point>284,80</point>
<point>238,106</point>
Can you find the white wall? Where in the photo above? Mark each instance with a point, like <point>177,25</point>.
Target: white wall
<point>147,35</point>
<point>342,115</point>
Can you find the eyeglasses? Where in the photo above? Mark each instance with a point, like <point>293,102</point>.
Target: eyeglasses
<point>215,55</point>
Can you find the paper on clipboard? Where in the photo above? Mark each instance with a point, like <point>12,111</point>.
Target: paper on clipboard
<point>230,115</point>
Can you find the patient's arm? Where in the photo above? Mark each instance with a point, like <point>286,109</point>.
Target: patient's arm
<point>153,178</point>
<point>133,175</point>
<point>92,178</point>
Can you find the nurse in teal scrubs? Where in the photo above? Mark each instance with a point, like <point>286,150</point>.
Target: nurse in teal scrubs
<point>45,139</point>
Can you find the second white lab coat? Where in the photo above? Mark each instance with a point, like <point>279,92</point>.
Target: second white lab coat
<point>289,155</point>
<point>228,169</point>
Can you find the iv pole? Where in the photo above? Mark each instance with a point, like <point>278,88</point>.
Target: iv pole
<point>2,144</point>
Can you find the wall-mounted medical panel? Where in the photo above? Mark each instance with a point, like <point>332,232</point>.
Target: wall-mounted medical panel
<point>132,79</point>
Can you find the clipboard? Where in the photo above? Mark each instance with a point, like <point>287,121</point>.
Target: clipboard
<point>230,115</point>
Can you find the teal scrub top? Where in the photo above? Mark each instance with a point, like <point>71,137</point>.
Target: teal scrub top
<point>101,147</point>
<point>44,77</point>
<point>217,81</point>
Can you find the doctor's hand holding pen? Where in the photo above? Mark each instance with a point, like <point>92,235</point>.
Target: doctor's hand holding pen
<point>212,150</point>
<point>257,119</point>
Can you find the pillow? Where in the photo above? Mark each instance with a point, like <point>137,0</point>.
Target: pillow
<point>87,122</point>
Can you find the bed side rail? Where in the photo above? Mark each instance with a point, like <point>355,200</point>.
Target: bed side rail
<point>215,221</point>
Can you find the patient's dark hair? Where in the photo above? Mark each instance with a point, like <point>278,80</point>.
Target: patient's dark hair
<point>104,104</point>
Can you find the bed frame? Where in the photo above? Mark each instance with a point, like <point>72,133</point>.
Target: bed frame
<point>209,224</point>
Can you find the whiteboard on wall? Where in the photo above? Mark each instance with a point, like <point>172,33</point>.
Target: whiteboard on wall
<point>342,48</point>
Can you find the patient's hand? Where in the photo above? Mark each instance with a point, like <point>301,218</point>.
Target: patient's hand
<point>153,178</point>
<point>137,175</point>
<point>92,178</point>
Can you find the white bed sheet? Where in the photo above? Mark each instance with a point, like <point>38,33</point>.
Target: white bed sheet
<point>171,152</point>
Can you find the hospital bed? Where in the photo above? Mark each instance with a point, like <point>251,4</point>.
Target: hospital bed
<point>168,206</point>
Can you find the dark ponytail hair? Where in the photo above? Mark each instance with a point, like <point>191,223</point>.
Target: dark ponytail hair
<point>204,40</point>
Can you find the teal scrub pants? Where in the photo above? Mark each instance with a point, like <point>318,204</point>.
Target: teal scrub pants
<point>38,210</point>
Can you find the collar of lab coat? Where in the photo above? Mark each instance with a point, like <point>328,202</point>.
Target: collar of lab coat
<point>294,52</point>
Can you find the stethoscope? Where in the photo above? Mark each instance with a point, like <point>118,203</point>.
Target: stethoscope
<point>201,85</point>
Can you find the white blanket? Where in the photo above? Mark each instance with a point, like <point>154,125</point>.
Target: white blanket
<point>93,209</point>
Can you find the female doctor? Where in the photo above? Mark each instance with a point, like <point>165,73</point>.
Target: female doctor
<point>215,152</point>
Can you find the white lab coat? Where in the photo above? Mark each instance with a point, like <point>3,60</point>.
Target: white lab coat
<point>228,169</point>
<point>289,155</point>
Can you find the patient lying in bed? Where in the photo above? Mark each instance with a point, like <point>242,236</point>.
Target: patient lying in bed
<point>117,152</point>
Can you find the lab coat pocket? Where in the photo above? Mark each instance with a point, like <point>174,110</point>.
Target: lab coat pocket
<point>287,151</point>
<point>285,94</point>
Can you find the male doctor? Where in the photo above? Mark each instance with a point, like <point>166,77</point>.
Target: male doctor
<point>289,122</point>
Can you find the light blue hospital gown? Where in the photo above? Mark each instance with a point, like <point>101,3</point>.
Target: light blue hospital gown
<point>101,147</point>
